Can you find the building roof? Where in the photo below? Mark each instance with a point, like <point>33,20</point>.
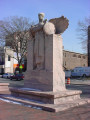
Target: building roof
<point>74,52</point>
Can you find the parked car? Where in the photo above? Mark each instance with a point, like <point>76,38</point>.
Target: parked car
<point>7,75</point>
<point>81,72</point>
<point>17,77</point>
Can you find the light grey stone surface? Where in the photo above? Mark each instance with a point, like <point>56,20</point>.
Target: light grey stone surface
<point>45,58</point>
<point>48,75</point>
<point>49,28</point>
<point>39,51</point>
<point>48,107</point>
<point>47,97</point>
<point>41,17</point>
<point>4,86</point>
<point>61,24</point>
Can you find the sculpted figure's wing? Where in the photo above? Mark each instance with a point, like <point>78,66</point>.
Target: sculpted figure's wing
<point>61,24</point>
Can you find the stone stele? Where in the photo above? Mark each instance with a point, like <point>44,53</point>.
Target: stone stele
<point>45,78</point>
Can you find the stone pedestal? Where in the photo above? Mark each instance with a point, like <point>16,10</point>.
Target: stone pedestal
<point>51,77</point>
<point>47,97</point>
<point>49,101</point>
<point>4,86</point>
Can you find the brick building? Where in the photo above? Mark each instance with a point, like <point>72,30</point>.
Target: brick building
<point>73,59</point>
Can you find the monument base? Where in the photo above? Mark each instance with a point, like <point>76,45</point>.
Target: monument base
<point>4,86</point>
<point>50,101</point>
<point>45,80</point>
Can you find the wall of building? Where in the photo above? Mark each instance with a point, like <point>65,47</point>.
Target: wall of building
<point>72,60</point>
<point>2,60</point>
<point>9,60</point>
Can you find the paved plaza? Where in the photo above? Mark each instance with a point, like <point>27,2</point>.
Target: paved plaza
<point>10,111</point>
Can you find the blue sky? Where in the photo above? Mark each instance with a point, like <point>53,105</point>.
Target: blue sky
<point>74,10</point>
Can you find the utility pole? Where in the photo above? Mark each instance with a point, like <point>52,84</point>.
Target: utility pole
<point>88,45</point>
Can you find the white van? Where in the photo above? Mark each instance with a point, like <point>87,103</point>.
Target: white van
<point>80,72</point>
<point>67,73</point>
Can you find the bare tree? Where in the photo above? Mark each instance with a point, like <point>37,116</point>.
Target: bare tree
<point>1,35</point>
<point>83,32</point>
<point>14,32</point>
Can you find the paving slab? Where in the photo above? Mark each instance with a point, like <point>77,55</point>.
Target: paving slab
<point>9,111</point>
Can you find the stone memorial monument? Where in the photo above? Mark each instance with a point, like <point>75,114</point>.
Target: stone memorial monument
<point>45,78</point>
<point>44,60</point>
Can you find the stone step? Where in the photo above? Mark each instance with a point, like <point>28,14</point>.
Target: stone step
<point>4,86</point>
<point>43,106</point>
<point>47,97</point>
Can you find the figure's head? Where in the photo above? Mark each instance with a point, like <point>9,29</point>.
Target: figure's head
<point>41,16</point>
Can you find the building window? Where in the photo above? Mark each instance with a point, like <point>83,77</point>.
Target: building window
<point>74,55</point>
<point>65,54</point>
<point>84,57</point>
<point>79,56</point>
<point>84,65</point>
<point>65,63</point>
<point>9,58</point>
